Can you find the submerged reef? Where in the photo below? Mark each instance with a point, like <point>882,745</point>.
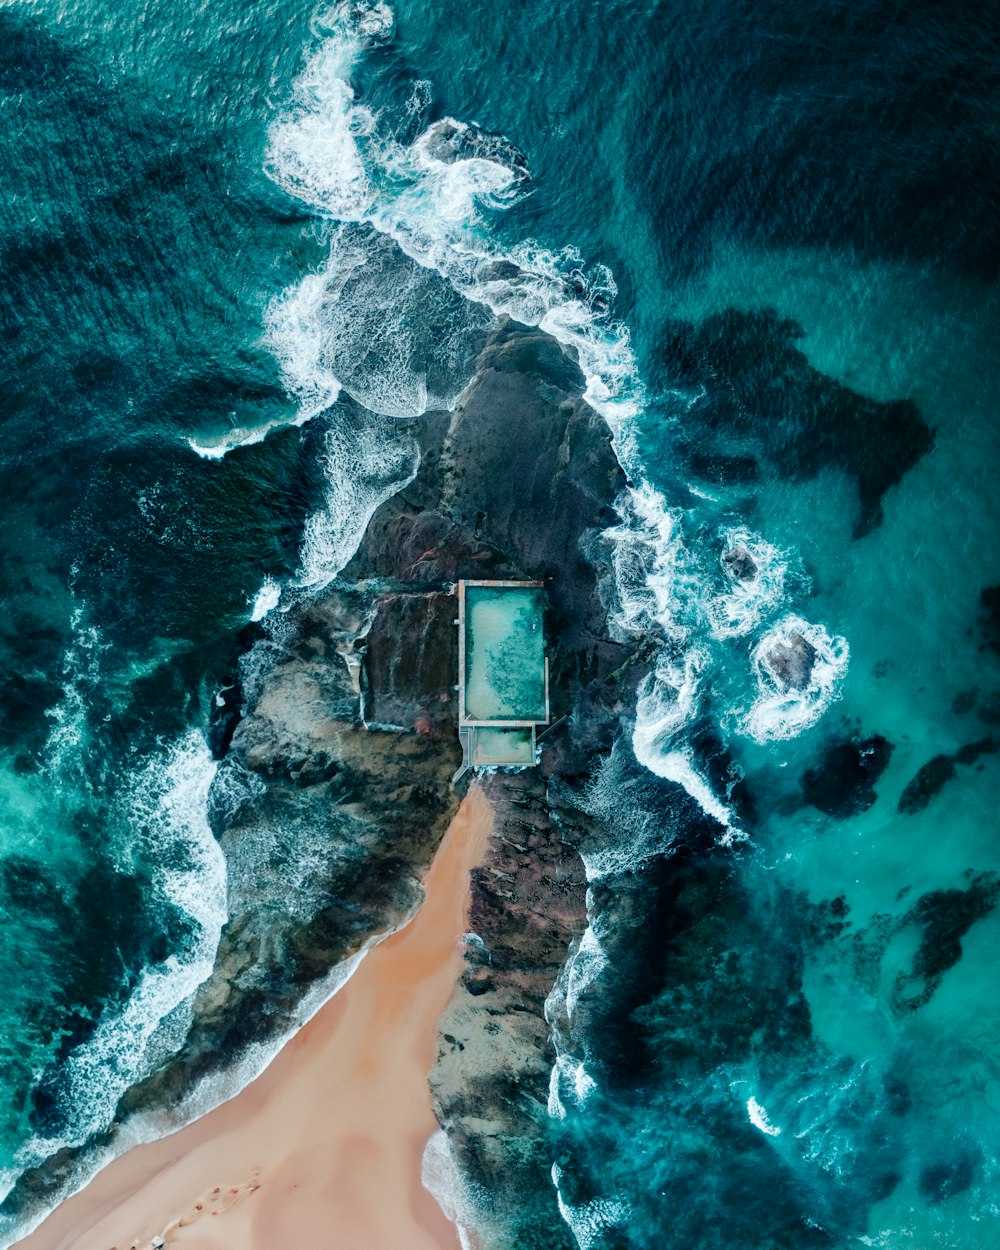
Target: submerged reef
<point>763,408</point>
<point>931,777</point>
<point>843,782</point>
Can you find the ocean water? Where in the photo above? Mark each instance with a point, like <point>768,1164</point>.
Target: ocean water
<point>239,242</point>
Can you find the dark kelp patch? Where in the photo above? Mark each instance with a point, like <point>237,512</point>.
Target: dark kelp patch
<point>763,403</point>
<point>931,777</point>
<point>843,782</point>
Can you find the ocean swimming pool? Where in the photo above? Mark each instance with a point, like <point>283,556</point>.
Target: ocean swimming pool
<point>502,666</point>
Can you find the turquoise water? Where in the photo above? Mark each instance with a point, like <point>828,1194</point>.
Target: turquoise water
<point>505,654</point>
<point>237,246</point>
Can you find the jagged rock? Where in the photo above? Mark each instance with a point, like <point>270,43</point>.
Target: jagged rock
<point>449,141</point>
<point>411,662</point>
<point>337,749</point>
<point>739,564</point>
<point>843,783</point>
<point>490,1082</point>
<point>791,661</point>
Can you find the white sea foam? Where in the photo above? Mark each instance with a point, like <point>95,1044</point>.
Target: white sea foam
<point>242,436</point>
<point>364,466</point>
<point>648,557</point>
<point>569,1081</point>
<point>759,1119</point>
<point>442,1177</point>
<point>583,968</point>
<point>588,1221</point>
<point>210,1092</point>
<point>667,703</point>
<point>266,599</point>
<point>741,608</point>
<point>435,200</point>
<point>166,806</point>
<point>81,670</point>
<point>167,812</point>
<point>780,712</point>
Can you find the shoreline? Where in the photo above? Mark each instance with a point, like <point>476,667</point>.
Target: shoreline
<point>325,1147</point>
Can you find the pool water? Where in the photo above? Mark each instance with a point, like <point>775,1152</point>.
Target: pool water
<point>505,654</point>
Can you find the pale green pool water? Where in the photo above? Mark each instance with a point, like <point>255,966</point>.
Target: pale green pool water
<point>503,746</point>
<point>505,653</point>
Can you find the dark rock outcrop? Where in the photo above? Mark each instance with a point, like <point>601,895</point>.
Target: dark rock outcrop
<point>490,1082</point>
<point>739,564</point>
<point>791,661</point>
<point>348,744</point>
<point>337,744</point>
<point>843,782</point>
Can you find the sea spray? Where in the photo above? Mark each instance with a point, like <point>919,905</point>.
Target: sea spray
<point>364,464</point>
<point>759,578</point>
<point>436,199</point>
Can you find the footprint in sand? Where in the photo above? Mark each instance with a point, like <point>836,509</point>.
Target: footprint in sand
<point>215,1201</point>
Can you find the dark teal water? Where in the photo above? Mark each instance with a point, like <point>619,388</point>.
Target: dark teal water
<point>770,232</point>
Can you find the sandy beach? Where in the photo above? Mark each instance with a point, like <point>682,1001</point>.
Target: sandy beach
<point>324,1148</point>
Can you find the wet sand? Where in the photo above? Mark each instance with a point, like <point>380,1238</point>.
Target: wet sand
<point>324,1149</point>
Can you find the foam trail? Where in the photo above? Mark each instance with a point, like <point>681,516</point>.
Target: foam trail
<point>588,1221</point>
<point>759,1119</point>
<point>81,669</point>
<point>441,1176</point>
<point>364,467</point>
<point>756,586</point>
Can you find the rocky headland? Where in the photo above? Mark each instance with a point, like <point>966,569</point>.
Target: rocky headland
<point>337,752</point>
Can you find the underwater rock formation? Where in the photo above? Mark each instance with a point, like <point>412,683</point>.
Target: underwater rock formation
<point>843,782</point>
<point>760,392</point>
<point>942,917</point>
<point>931,777</point>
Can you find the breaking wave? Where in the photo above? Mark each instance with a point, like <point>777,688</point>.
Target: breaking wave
<point>414,278</point>
<point>364,464</point>
<point>590,1220</point>
<point>759,578</point>
<point>434,198</point>
<point>165,810</point>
